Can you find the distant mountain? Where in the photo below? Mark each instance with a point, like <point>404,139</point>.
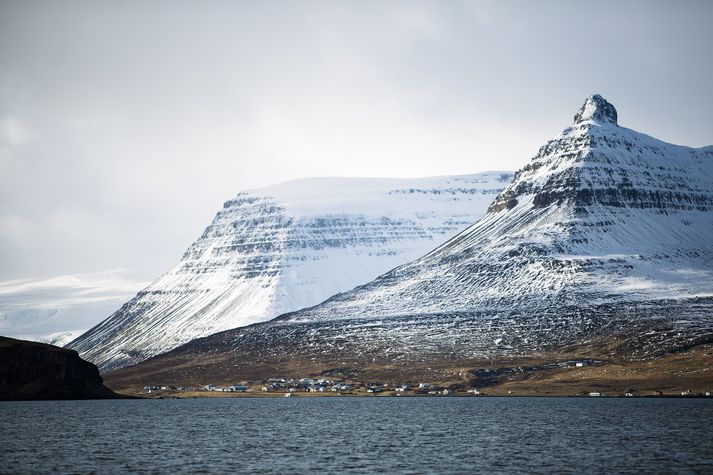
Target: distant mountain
<point>59,338</point>
<point>605,235</point>
<point>285,247</point>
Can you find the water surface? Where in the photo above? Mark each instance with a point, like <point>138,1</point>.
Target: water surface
<point>359,435</point>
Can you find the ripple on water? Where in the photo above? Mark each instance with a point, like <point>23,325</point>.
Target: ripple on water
<point>366,435</point>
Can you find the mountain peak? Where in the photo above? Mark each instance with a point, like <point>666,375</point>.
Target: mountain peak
<point>596,109</point>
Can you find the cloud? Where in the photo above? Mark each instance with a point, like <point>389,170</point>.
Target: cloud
<point>125,125</point>
<point>14,133</point>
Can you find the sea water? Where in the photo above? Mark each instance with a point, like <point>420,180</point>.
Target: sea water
<point>359,435</point>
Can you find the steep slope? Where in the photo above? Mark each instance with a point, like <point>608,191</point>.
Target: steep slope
<point>606,234</point>
<point>285,247</point>
<point>603,217</point>
<point>601,214</point>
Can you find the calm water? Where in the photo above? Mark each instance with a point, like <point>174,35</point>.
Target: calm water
<point>364,435</point>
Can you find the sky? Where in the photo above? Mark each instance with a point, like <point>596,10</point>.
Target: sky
<point>124,125</point>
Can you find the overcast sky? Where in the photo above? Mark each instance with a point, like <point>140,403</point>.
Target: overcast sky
<point>125,125</point>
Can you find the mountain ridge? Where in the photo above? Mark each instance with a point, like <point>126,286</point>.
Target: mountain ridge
<point>605,233</point>
<point>284,247</point>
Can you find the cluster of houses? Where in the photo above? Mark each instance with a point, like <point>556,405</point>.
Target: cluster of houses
<point>327,385</point>
<point>656,393</point>
<point>319,385</point>
<point>237,388</point>
<point>290,386</point>
<point>306,385</point>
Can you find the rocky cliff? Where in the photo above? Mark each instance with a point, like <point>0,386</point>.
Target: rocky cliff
<point>34,371</point>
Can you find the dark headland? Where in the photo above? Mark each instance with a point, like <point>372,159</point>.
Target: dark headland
<point>35,371</point>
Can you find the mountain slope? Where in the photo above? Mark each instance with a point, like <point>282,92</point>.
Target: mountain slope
<point>605,235</point>
<point>602,216</point>
<point>285,247</point>
<point>601,212</point>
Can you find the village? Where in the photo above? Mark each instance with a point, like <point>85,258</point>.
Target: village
<point>289,387</point>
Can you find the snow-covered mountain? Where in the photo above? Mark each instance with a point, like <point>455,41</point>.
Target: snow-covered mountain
<point>60,338</point>
<point>284,247</point>
<point>604,226</point>
<point>605,236</point>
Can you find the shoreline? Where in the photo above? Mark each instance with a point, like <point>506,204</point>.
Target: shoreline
<point>255,395</point>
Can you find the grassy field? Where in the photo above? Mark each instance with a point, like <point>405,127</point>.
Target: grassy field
<point>537,375</point>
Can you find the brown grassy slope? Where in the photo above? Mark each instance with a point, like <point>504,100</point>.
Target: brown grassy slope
<point>536,374</point>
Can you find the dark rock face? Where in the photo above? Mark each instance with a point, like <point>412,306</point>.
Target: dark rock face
<point>35,371</point>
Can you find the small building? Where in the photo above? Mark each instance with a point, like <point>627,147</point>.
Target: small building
<point>658,392</point>
<point>687,392</point>
<point>424,385</point>
<point>709,393</point>
<point>581,364</point>
<point>474,391</point>
<point>595,394</point>
<point>446,392</point>
<point>342,387</point>
<point>238,388</point>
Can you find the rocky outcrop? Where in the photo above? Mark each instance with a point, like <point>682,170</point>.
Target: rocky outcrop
<point>36,371</point>
<point>597,109</point>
